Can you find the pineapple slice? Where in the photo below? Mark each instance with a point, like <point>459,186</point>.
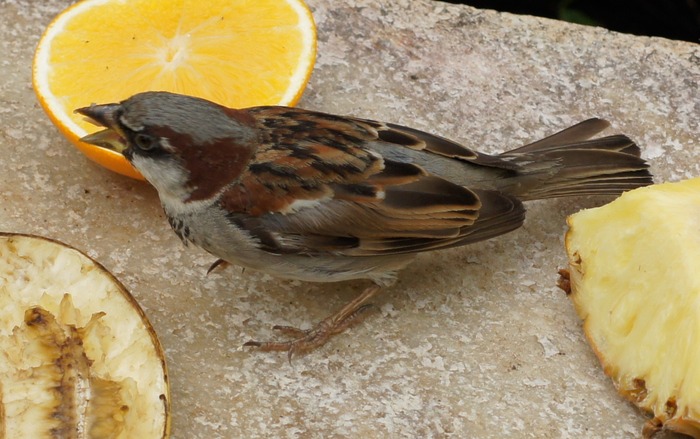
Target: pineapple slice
<point>634,277</point>
<point>78,359</point>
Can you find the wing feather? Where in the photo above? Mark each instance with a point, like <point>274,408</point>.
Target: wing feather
<point>312,194</point>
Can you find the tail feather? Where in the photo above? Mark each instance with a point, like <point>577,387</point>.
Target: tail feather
<point>617,142</point>
<point>577,133</point>
<point>570,163</point>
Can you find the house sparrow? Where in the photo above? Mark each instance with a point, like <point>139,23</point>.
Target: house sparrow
<point>316,197</point>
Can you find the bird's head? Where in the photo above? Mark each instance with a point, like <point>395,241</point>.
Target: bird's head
<point>188,148</point>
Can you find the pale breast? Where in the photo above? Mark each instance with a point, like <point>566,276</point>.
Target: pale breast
<point>211,230</point>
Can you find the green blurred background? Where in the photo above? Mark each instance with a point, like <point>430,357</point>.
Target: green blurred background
<point>675,19</point>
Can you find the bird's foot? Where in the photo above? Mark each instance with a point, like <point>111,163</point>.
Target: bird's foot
<point>309,339</point>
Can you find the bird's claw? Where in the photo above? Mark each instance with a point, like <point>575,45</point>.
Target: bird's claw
<point>306,340</point>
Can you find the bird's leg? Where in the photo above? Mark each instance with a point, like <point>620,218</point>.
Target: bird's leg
<point>356,317</point>
<point>310,339</point>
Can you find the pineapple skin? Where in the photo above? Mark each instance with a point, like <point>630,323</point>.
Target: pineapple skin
<point>633,275</point>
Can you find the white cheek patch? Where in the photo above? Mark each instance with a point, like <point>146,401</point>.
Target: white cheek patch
<point>170,180</point>
<point>164,175</point>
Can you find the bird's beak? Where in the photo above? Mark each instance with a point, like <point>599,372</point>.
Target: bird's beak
<point>106,116</point>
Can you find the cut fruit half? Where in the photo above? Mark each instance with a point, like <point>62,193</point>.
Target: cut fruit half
<point>78,358</point>
<point>634,274</point>
<point>238,53</point>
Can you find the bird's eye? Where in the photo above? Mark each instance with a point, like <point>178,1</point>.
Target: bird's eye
<point>144,142</point>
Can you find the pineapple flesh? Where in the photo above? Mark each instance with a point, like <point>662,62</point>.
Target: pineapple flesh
<point>78,358</point>
<point>634,277</point>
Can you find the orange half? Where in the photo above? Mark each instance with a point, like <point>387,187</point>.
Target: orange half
<point>239,53</point>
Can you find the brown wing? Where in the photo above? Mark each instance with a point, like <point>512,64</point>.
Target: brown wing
<point>316,187</point>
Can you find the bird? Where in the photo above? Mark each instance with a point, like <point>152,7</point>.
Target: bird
<point>317,197</point>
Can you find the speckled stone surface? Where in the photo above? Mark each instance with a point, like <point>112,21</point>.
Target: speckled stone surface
<point>473,342</point>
